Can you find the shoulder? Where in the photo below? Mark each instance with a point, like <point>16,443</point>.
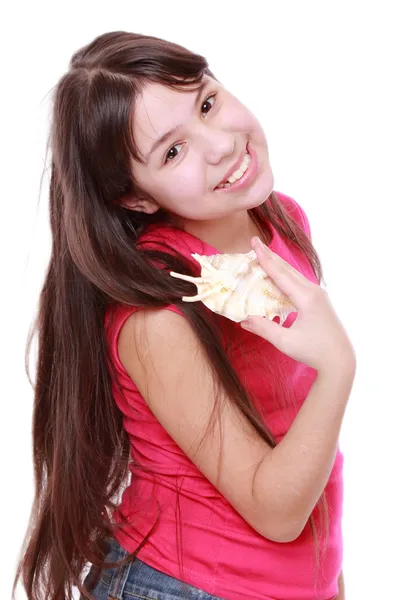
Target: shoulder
<point>125,323</point>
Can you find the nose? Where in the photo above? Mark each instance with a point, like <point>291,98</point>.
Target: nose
<point>217,145</point>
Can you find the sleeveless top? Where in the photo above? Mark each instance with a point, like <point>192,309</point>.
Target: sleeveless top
<point>200,538</point>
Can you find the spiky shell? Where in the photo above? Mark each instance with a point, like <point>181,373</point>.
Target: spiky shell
<point>236,286</point>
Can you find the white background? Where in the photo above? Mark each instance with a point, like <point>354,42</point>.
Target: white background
<point>322,78</point>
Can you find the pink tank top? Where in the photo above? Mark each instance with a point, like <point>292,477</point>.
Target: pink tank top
<point>200,538</point>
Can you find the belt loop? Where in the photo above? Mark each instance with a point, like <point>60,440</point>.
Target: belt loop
<point>119,580</point>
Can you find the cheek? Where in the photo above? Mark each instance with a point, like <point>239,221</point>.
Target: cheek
<point>246,121</point>
<point>183,187</point>
<point>189,179</point>
<point>236,116</point>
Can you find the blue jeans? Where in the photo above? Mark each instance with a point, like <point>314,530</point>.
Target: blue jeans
<point>137,580</point>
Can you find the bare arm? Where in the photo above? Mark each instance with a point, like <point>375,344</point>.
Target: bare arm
<point>341,594</point>
<point>295,473</point>
<point>274,490</point>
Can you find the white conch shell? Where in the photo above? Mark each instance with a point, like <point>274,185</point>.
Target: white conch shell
<point>236,286</point>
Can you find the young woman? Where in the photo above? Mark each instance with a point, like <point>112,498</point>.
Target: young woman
<point>223,435</point>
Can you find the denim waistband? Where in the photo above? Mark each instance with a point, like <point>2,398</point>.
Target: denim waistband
<point>136,580</point>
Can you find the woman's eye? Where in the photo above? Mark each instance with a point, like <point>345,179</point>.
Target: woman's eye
<point>208,99</point>
<point>168,157</point>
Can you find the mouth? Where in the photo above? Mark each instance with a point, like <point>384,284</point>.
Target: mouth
<point>242,174</point>
<point>238,169</point>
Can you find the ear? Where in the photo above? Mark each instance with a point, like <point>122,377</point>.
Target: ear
<point>140,203</point>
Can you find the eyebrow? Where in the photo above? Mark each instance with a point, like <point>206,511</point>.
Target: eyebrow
<point>168,134</point>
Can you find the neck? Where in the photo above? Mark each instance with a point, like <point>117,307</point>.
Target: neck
<point>229,235</point>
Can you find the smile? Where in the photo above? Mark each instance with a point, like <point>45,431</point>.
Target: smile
<point>243,176</point>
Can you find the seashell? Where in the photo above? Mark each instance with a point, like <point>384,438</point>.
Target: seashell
<point>236,286</point>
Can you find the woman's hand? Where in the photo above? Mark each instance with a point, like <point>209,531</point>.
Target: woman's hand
<point>317,338</point>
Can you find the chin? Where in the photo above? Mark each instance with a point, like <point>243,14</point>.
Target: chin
<point>267,187</point>
<point>254,200</point>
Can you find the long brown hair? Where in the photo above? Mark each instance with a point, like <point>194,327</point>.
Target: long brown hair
<point>81,451</point>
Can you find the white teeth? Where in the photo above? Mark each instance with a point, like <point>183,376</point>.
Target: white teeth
<point>242,169</point>
<point>238,173</point>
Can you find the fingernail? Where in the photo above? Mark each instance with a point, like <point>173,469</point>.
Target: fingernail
<point>246,324</point>
<point>256,242</point>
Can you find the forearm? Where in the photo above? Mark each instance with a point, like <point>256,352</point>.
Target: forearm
<point>293,476</point>
<point>341,595</point>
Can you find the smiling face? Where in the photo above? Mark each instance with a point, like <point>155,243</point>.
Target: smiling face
<point>182,171</point>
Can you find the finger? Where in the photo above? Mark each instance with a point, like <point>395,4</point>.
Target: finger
<point>287,278</point>
<point>269,330</point>
<point>265,253</point>
<point>282,272</point>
